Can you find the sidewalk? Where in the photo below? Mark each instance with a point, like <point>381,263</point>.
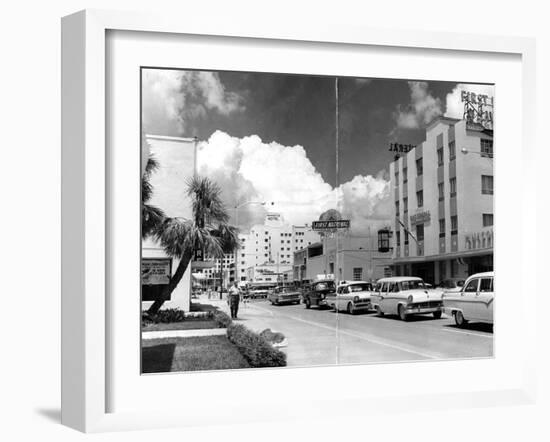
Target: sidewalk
<point>183,333</point>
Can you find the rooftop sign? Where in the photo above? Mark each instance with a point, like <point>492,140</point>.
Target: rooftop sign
<point>478,108</point>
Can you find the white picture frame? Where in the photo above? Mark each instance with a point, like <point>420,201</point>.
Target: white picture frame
<point>85,203</point>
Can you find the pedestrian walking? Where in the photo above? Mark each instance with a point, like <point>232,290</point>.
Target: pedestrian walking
<point>233,298</point>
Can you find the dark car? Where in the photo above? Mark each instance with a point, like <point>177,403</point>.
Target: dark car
<point>284,295</point>
<point>316,293</point>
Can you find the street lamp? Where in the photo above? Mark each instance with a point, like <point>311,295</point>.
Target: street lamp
<point>483,154</point>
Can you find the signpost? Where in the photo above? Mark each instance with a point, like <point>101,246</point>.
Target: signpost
<point>330,224</point>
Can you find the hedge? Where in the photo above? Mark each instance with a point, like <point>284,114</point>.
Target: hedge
<point>222,319</point>
<point>256,350</point>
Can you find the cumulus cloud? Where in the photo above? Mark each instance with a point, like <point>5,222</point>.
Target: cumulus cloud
<point>171,97</point>
<point>422,109</point>
<point>455,106</point>
<point>247,169</point>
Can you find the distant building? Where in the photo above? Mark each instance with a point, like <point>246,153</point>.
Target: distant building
<point>271,245</point>
<point>442,192</point>
<point>347,257</point>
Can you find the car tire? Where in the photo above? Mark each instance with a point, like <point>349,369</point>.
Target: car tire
<point>402,315</point>
<point>308,303</point>
<point>350,309</point>
<point>459,319</point>
<point>437,315</point>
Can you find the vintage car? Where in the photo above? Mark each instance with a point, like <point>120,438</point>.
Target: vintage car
<point>474,302</point>
<point>405,296</point>
<point>452,285</point>
<point>351,296</point>
<point>258,292</point>
<point>317,292</point>
<point>284,295</point>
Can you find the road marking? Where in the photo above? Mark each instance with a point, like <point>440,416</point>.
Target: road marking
<point>356,335</point>
<point>460,332</point>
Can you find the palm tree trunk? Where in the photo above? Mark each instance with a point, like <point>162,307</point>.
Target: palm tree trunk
<point>174,281</point>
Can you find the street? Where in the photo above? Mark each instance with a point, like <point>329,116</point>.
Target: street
<point>324,337</point>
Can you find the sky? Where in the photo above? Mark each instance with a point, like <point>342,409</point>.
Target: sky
<point>272,137</point>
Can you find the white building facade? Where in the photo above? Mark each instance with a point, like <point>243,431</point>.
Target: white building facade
<point>442,194</point>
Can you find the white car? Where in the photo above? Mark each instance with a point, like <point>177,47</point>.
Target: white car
<point>351,296</point>
<point>475,302</point>
<point>405,296</point>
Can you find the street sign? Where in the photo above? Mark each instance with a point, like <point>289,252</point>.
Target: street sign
<point>331,225</point>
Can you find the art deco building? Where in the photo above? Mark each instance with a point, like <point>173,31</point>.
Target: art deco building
<point>442,193</point>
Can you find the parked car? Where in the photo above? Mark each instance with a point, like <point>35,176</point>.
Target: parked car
<point>475,302</point>
<point>258,293</point>
<point>316,293</point>
<point>405,296</point>
<point>452,285</point>
<point>351,296</point>
<point>284,295</point>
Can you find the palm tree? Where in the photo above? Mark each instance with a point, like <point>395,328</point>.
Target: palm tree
<point>207,231</point>
<point>151,216</point>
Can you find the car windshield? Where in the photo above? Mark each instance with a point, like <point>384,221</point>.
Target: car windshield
<point>412,284</point>
<point>360,287</point>
<point>325,286</point>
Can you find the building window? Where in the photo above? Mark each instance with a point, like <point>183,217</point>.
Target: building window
<point>454,225</point>
<point>420,232</point>
<point>440,156</point>
<point>452,151</point>
<point>404,175</point>
<point>397,208</point>
<point>398,238</point>
<point>420,198</point>
<point>441,190</point>
<point>419,170</point>
<point>243,263</point>
<point>487,148</point>
<point>397,178</point>
<point>405,206</point>
<point>487,184</point>
<point>487,219</point>
<point>357,273</point>
<point>442,228</point>
<point>406,242</point>
<point>452,185</point>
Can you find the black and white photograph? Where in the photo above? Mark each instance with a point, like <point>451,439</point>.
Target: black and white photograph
<point>302,220</point>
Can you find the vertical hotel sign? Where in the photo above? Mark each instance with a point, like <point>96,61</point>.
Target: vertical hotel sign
<point>478,109</point>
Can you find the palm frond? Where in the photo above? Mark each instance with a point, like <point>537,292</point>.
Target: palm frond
<point>178,236</point>
<point>151,218</point>
<point>228,237</point>
<point>206,199</point>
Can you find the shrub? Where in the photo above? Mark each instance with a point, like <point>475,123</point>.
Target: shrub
<point>164,316</point>
<point>223,320</point>
<point>272,337</point>
<point>256,350</point>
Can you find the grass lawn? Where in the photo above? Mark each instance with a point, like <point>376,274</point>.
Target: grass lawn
<point>188,324</point>
<point>190,354</point>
